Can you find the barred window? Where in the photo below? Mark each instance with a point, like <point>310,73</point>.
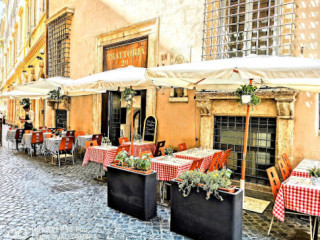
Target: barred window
<point>237,28</point>
<point>59,46</point>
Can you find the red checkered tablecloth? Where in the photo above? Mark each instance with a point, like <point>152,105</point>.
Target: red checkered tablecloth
<point>196,154</point>
<point>297,194</point>
<point>302,170</point>
<point>169,169</point>
<point>140,147</point>
<point>104,155</point>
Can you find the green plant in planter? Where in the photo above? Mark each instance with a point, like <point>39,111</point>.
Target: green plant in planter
<point>168,151</point>
<point>248,90</point>
<point>128,95</point>
<point>314,172</point>
<point>53,95</point>
<point>105,140</point>
<point>25,101</point>
<point>190,179</point>
<point>143,163</point>
<point>138,137</point>
<point>16,126</point>
<point>122,157</point>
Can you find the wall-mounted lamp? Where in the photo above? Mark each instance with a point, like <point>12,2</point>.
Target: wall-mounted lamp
<point>39,58</point>
<point>30,66</point>
<point>42,51</point>
<point>24,71</point>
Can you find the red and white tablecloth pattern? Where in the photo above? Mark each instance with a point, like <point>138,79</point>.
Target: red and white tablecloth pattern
<point>104,155</point>
<point>140,147</point>
<point>167,169</point>
<point>302,170</point>
<point>297,194</point>
<point>206,155</point>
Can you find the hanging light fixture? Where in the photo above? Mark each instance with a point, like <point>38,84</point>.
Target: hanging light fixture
<point>39,58</point>
<point>30,66</point>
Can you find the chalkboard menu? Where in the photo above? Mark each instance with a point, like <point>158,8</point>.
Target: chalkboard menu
<point>150,129</point>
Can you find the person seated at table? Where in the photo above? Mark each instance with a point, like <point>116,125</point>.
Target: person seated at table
<point>29,118</point>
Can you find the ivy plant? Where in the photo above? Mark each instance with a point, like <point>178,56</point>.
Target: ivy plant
<point>314,172</point>
<point>248,90</point>
<point>128,95</point>
<point>53,95</point>
<point>25,101</point>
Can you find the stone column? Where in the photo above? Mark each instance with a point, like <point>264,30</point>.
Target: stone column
<point>206,123</point>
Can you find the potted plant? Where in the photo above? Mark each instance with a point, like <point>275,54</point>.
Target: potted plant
<point>105,141</point>
<point>128,95</point>
<point>54,95</point>
<point>132,188</point>
<point>315,175</point>
<point>209,202</point>
<point>246,94</point>
<point>25,101</point>
<point>168,152</point>
<point>138,138</point>
<point>16,126</point>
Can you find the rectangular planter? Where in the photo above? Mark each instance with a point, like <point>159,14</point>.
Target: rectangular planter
<point>198,218</point>
<point>132,193</point>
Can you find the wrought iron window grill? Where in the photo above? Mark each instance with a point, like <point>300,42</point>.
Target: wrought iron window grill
<point>59,46</point>
<point>237,28</point>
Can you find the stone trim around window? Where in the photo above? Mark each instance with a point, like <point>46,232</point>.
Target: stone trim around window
<point>182,98</point>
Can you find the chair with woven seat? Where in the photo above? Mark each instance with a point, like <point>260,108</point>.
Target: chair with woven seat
<point>123,140</point>
<point>283,169</point>
<point>97,137</point>
<point>214,165</point>
<point>157,151</point>
<point>275,186</point>
<point>182,147</point>
<point>18,137</point>
<point>146,153</point>
<point>36,140</point>
<point>66,145</point>
<point>91,143</point>
<point>224,158</point>
<point>287,162</point>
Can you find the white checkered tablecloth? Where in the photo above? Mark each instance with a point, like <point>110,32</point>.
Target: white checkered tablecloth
<point>140,147</point>
<point>302,170</point>
<point>297,194</point>
<point>169,169</point>
<point>197,154</point>
<point>104,155</point>
<point>26,141</point>
<point>51,145</point>
<point>81,140</point>
<point>11,134</point>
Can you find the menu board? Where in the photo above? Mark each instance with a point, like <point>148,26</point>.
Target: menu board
<point>150,129</point>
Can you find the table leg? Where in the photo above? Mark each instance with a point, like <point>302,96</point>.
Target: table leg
<point>314,227</point>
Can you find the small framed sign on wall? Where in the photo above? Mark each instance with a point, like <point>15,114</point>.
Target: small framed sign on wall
<point>150,129</point>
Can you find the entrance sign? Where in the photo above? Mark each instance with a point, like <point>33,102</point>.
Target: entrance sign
<point>150,129</point>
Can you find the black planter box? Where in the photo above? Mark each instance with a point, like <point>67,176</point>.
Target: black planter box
<point>132,193</point>
<point>198,218</point>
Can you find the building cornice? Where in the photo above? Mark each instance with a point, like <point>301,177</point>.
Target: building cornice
<point>60,13</point>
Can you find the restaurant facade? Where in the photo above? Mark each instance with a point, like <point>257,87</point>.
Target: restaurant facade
<point>87,37</point>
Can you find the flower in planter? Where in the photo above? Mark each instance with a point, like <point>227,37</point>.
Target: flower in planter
<point>168,151</point>
<point>246,94</point>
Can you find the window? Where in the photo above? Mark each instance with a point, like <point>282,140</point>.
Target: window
<point>237,28</point>
<point>59,46</point>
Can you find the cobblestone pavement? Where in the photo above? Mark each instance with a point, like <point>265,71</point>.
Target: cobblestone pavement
<point>41,201</point>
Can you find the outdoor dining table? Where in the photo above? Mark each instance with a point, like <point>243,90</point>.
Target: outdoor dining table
<point>139,147</point>
<point>81,141</point>
<point>168,169</point>
<point>300,195</point>
<point>302,170</point>
<point>198,154</point>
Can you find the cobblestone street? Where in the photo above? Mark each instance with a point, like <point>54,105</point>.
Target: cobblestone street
<point>41,201</point>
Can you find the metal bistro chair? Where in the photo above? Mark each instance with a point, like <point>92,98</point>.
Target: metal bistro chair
<point>66,145</point>
<point>182,147</point>
<point>97,137</point>
<point>123,139</point>
<point>275,186</point>
<point>157,151</point>
<point>214,165</point>
<point>36,139</point>
<point>18,137</point>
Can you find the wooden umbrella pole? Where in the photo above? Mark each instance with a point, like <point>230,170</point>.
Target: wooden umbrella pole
<point>131,126</point>
<point>245,144</point>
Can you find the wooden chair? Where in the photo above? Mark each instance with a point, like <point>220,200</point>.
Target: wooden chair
<point>59,129</point>
<point>224,158</point>
<point>43,130</point>
<point>287,162</point>
<point>78,133</point>
<point>196,165</point>
<point>159,145</point>
<point>123,139</point>
<point>36,139</point>
<point>147,153</point>
<point>43,127</point>
<point>123,148</point>
<point>28,131</point>
<point>50,135</point>
<point>18,137</point>
<point>182,147</point>
<point>97,137</point>
<point>283,169</point>
<point>91,143</point>
<point>214,165</point>
<point>71,133</point>
<point>66,145</point>
<point>162,151</point>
